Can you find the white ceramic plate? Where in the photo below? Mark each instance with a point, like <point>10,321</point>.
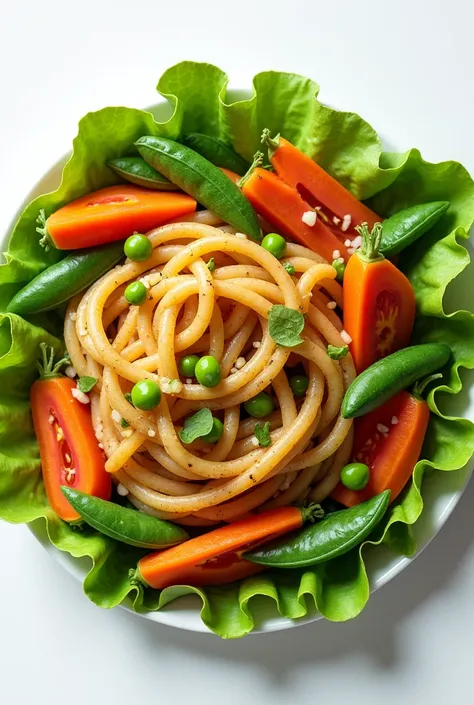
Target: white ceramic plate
<point>441,490</point>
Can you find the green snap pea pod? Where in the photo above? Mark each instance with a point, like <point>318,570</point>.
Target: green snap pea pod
<point>406,226</point>
<point>387,377</point>
<point>219,153</point>
<point>65,279</point>
<point>122,524</point>
<point>335,535</point>
<point>199,178</point>
<point>137,171</point>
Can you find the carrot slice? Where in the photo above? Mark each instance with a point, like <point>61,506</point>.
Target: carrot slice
<point>112,214</point>
<point>174,565</point>
<point>379,307</point>
<point>315,184</point>
<point>283,207</point>
<point>224,569</point>
<point>389,441</point>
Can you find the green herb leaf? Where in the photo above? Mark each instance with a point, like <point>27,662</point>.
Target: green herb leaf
<point>336,353</point>
<point>285,324</point>
<point>211,264</point>
<point>196,426</point>
<point>85,384</point>
<point>262,434</point>
<point>128,397</point>
<point>289,268</point>
<point>124,423</point>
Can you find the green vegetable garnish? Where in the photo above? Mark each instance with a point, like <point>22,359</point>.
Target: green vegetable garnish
<point>285,325</point>
<point>208,371</point>
<point>340,268</point>
<point>299,385</point>
<point>196,426</point>
<point>85,384</point>
<point>135,293</point>
<point>355,476</point>
<point>211,265</point>
<point>187,365</point>
<point>336,353</point>
<point>262,434</point>
<point>289,268</point>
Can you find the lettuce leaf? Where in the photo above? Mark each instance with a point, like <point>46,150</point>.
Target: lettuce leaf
<point>345,145</point>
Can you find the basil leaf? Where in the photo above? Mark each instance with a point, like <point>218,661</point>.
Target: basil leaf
<point>262,434</point>
<point>85,384</point>
<point>285,324</point>
<point>336,353</point>
<point>196,426</point>
<point>289,268</point>
<point>211,265</point>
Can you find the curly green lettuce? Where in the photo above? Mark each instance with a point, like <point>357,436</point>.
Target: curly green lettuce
<point>349,148</point>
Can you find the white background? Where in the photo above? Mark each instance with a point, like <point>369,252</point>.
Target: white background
<point>406,66</point>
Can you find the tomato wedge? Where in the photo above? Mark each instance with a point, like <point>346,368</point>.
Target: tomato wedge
<point>389,441</point>
<point>69,451</point>
<point>111,214</point>
<point>379,303</point>
<point>317,186</point>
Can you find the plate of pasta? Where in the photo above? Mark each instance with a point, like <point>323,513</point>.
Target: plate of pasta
<point>226,362</point>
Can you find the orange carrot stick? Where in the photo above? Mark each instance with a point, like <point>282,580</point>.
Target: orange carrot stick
<point>283,207</point>
<point>379,304</point>
<point>170,567</point>
<point>315,184</point>
<point>392,454</point>
<point>111,214</point>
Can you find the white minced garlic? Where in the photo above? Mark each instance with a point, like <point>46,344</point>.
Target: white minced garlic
<point>122,490</point>
<point>341,260</point>
<point>171,386</point>
<point>381,428</point>
<point>151,433</point>
<point>70,372</point>
<point>50,419</point>
<point>346,337</point>
<point>309,218</point>
<point>240,362</point>
<point>346,221</point>
<point>336,254</point>
<point>116,416</point>
<point>394,420</point>
<point>255,441</point>
<point>73,316</point>
<point>242,236</point>
<point>336,220</point>
<point>80,396</point>
<point>189,380</point>
<point>127,433</point>
<point>146,282</point>
<point>101,446</point>
<point>233,370</point>
<point>357,242</point>
<point>256,344</point>
<point>331,304</point>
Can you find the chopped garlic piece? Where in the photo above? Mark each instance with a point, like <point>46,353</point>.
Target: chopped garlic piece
<point>151,433</point>
<point>116,416</point>
<point>346,337</point>
<point>336,254</point>
<point>122,490</point>
<point>394,420</point>
<point>331,304</point>
<point>80,396</point>
<point>240,362</point>
<point>346,221</point>
<point>381,428</point>
<point>70,372</point>
<point>309,218</point>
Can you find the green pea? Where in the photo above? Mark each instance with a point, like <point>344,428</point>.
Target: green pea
<point>299,385</point>
<point>274,244</point>
<point>208,371</point>
<point>355,476</point>
<point>215,433</point>
<point>259,406</point>
<point>340,268</point>
<point>146,395</point>
<point>187,365</point>
<point>138,248</point>
<point>135,293</point>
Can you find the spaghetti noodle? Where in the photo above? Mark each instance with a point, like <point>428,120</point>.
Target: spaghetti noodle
<point>223,313</point>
